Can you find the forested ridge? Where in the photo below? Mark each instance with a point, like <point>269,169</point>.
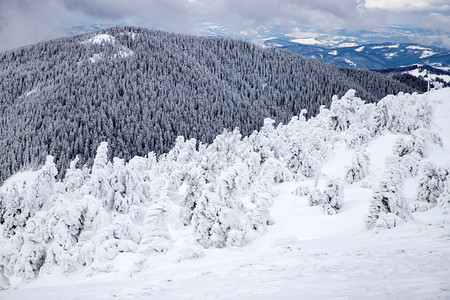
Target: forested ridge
<point>139,89</point>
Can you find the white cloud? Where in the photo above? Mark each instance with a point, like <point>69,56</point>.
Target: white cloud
<point>439,20</point>
<point>408,5</point>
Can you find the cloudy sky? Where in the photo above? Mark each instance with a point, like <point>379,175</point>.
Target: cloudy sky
<point>27,21</point>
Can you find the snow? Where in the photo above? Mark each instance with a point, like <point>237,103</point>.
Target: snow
<point>351,63</point>
<point>30,92</point>
<point>359,49</point>
<point>106,39</point>
<point>133,35</point>
<point>411,261</point>
<point>124,52</point>
<point>95,58</point>
<point>307,41</point>
<point>386,46</point>
<point>427,53</point>
<point>413,47</point>
<point>431,76</point>
<point>305,254</point>
<point>334,52</point>
<point>101,39</point>
<point>442,125</point>
<point>344,45</point>
<point>390,55</point>
<point>18,179</point>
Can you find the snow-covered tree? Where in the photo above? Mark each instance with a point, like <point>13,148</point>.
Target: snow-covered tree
<point>333,195</point>
<point>155,235</point>
<point>359,168</point>
<point>74,178</point>
<point>432,183</point>
<point>330,198</point>
<point>267,142</point>
<point>403,146</point>
<point>388,206</point>
<point>99,183</point>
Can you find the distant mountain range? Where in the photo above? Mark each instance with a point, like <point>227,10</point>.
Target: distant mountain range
<point>389,47</point>
<point>372,56</point>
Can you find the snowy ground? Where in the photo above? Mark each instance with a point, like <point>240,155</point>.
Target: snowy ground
<point>304,255</point>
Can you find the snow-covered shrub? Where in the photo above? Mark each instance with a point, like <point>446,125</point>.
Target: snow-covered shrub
<point>74,177</point>
<point>333,196</point>
<point>410,164</point>
<point>99,183</point>
<point>4,281</point>
<point>444,198</point>
<point>193,186</point>
<point>207,219</point>
<point>12,209</point>
<point>307,151</point>
<point>330,198</point>
<point>403,147</point>
<point>32,252</point>
<point>302,191</point>
<point>21,203</point>
<point>344,111</point>
<point>267,142</point>
<point>155,235</point>
<point>315,197</point>
<point>421,138</point>
<point>432,184</point>
<point>275,171</point>
<point>130,184</point>
<point>404,113</point>
<point>417,143</point>
<point>64,224</point>
<point>380,117</point>
<point>366,184</point>
<point>388,201</point>
<point>388,220</point>
<point>261,195</point>
<point>359,167</point>
<point>357,136</point>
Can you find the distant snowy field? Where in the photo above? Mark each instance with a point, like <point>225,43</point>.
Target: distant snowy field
<point>305,254</point>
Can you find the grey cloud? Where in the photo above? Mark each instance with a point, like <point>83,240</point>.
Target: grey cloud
<point>182,13</point>
<point>27,21</point>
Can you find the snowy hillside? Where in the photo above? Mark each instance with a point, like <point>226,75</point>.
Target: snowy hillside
<point>352,203</point>
<point>422,77</point>
<point>441,79</point>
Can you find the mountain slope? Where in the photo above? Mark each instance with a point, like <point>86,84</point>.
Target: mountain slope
<point>418,76</point>
<point>78,244</point>
<point>138,89</point>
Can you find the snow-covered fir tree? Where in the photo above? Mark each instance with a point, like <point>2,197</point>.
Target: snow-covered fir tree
<point>432,184</point>
<point>388,206</point>
<point>359,168</point>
